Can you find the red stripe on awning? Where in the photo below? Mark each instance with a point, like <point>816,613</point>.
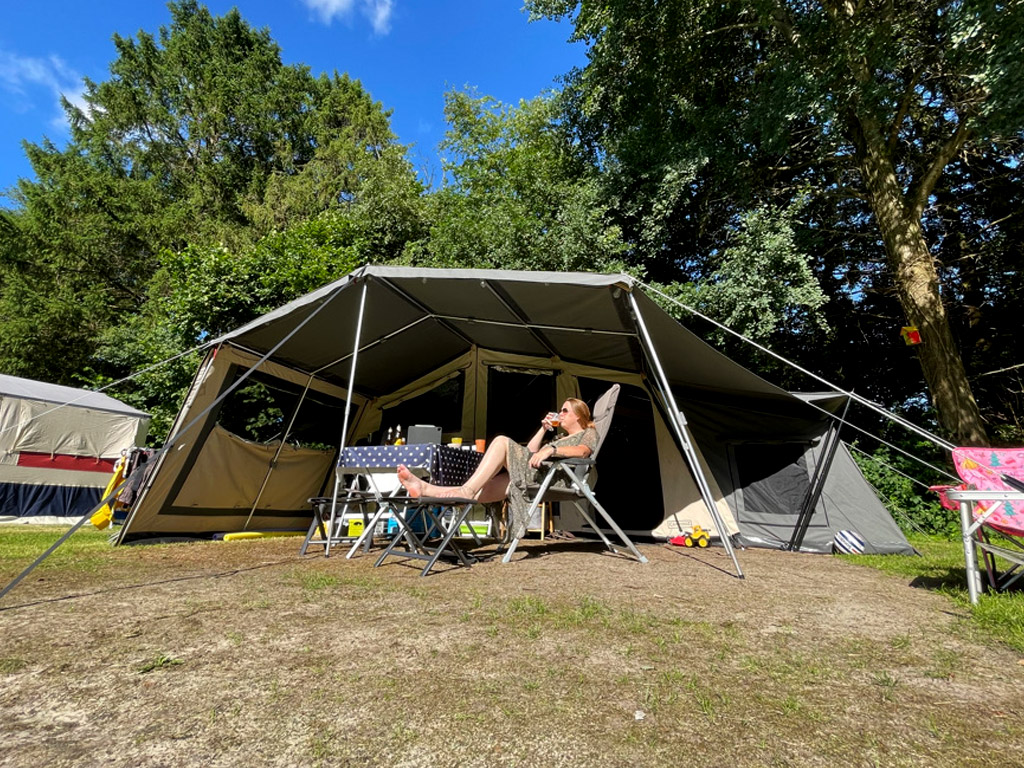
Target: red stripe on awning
<point>65,461</point>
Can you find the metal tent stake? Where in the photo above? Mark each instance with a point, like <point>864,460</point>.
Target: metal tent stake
<point>679,423</point>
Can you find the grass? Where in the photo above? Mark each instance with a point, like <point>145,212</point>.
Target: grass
<point>86,551</point>
<point>332,662</point>
<point>160,661</point>
<point>941,567</point>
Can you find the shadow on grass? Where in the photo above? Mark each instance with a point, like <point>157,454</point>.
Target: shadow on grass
<point>130,587</point>
<point>940,580</point>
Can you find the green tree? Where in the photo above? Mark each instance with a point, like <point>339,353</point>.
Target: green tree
<point>202,292</point>
<point>200,137</point>
<point>517,195</point>
<point>698,108</point>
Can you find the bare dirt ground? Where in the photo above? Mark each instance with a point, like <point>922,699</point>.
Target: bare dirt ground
<point>228,654</point>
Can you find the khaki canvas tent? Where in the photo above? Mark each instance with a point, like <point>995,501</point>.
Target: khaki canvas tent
<point>696,437</point>
<point>58,446</point>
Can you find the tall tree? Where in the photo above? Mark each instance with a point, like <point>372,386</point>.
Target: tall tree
<point>696,104</point>
<point>517,193</point>
<point>200,136</point>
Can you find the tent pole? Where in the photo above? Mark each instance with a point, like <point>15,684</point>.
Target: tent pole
<point>108,499</point>
<point>175,434</point>
<point>908,425</point>
<point>679,422</point>
<point>277,453</point>
<point>348,410</point>
<point>828,453</point>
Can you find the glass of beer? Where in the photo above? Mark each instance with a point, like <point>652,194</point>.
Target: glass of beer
<point>554,419</point>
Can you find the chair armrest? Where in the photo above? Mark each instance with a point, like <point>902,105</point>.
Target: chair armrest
<point>577,461</point>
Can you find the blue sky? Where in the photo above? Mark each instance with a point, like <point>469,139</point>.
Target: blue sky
<point>407,53</point>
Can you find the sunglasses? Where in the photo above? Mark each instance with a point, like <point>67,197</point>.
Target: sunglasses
<point>564,410</point>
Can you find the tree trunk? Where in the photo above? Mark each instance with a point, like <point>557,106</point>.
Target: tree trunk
<point>917,284</point>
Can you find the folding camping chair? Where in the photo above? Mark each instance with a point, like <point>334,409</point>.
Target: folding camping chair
<point>329,518</point>
<point>994,524</point>
<point>580,476</point>
<point>442,520</point>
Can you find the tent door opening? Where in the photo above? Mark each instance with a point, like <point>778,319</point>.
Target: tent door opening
<point>517,400</point>
<point>628,466</point>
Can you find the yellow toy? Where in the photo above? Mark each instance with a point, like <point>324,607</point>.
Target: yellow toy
<point>698,537</point>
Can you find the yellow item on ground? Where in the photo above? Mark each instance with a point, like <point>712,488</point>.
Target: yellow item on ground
<point>242,535</point>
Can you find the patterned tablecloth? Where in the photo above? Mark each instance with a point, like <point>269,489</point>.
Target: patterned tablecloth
<point>444,464</point>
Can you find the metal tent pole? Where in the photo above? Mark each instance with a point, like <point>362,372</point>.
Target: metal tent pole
<point>678,420</point>
<point>108,499</point>
<point>344,426</point>
<point>817,485</point>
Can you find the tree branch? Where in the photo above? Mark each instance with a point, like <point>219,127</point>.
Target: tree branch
<point>917,195</point>
<point>904,107</point>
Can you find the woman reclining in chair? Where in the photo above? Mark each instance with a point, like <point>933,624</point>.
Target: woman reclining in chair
<point>507,467</point>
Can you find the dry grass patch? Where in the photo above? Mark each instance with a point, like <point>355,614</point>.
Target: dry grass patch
<point>217,654</point>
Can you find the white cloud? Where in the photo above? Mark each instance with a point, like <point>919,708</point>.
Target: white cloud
<point>328,9</point>
<point>377,11</point>
<point>24,76</point>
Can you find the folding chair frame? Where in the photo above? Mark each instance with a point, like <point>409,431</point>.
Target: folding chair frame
<point>328,528</point>
<point>418,547</point>
<point>574,470</point>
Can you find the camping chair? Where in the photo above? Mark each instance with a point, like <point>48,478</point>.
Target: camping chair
<point>441,520</point>
<point>580,476</point>
<point>993,525</point>
<point>329,518</point>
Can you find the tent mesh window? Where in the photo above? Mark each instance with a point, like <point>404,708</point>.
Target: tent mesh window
<point>773,479</point>
<point>440,406</point>
<point>261,409</point>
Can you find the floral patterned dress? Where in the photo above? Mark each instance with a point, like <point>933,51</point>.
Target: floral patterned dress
<point>521,474</point>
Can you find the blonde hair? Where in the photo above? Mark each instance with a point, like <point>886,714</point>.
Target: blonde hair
<point>582,411</point>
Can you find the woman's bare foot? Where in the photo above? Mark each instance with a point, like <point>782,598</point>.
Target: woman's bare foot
<point>410,482</point>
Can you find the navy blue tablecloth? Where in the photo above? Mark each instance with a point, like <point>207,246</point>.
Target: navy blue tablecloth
<point>444,464</point>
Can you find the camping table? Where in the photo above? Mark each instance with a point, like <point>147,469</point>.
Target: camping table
<point>441,464</point>
<point>966,500</point>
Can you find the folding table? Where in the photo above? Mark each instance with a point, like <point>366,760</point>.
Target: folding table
<point>966,499</point>
<point>441,464</point>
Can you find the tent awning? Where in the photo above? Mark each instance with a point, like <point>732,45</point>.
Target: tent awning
<point>428,316</point>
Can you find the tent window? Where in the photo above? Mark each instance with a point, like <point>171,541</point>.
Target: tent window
<point>517,400</point>
<point>773,480</point>
<point>441,406</point>
<point>628,468</point>
<point>261,408</point>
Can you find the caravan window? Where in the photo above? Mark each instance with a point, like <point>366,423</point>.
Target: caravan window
<point>262,407</point>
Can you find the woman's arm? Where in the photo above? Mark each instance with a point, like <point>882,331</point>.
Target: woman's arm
<point>538,439</point>
<point>580,451</point>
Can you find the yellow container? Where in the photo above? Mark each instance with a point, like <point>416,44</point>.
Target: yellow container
<point>355,526</point>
